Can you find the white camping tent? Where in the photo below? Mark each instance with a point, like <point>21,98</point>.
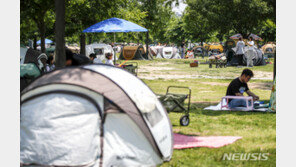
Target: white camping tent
<point>168,53</point>
<point>100,49</point>
<point>93,116</point>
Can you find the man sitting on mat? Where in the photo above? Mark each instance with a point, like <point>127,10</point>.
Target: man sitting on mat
<point>237,87</point>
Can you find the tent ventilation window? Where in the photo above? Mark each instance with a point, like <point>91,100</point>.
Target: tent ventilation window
<point>99,51</point>
<point>153,117</point>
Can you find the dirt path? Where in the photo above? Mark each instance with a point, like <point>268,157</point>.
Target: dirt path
<point>160,70</point>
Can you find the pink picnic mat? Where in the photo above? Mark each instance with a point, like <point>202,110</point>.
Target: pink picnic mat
<point>183,141</point>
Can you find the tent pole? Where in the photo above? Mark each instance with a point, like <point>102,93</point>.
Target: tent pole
<point>147,43</point>
<point>114,61</point>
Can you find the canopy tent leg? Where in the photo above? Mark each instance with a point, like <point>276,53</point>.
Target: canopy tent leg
<point>114,61</point>
<point>147,43</point>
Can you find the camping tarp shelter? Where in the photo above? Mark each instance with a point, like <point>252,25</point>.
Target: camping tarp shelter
<point>134,53</point>
<point>92,115</point>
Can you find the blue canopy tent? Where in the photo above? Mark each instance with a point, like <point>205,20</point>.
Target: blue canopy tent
<point>114,25</point>
<point>47,41</point>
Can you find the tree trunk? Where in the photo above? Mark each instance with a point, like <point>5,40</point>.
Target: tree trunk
<point>35,43</point>
<point>42,34</point>
<point>89,39</point>
<point>82,44</point>
<point>60,58</point>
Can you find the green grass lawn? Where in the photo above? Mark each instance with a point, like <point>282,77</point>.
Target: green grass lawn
<point>258,130</point>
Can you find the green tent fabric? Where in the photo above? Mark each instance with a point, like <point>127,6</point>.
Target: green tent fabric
<point>168,101</point>
<point>29,71</point>
<point>272,102</point>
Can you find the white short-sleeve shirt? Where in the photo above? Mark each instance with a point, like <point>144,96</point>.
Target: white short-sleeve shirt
<point>240,47</point>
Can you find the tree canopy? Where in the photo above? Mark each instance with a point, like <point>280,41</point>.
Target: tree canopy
<point>202,20</point>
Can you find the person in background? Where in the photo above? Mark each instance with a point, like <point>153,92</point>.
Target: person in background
<point>50,65</point>
<point>42,59</point>
<point>240,50</point>
<point>94,59</point>
<point>183,49</point>
<point>92,56</point>
<point>251,52</point>
<point>69,57</point>
<point>238,86</point>
<point>109,59</point>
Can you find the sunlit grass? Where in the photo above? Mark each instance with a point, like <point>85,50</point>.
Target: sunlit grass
<point>258,130</point>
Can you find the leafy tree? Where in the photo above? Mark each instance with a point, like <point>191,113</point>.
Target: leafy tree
<point>196,24</point>
<point>239,16</point>
<point>40,11</point>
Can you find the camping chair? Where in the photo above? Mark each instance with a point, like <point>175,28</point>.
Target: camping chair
<point>175,102</point>
<point>132,67</point>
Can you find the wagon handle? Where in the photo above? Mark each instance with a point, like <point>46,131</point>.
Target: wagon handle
<point>133,63</point>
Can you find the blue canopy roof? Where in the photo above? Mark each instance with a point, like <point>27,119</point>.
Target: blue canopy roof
<point>115,25</point>
<point>46,41</point>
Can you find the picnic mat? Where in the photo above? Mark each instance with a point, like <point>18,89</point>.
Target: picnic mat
<point>183,141</point>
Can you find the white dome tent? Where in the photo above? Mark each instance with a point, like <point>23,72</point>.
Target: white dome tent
<point>168,53</point>
<point>100,49</point>
<point>93,116</point>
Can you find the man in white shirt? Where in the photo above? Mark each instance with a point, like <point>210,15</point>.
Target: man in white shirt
<point>109,59</point>
<point>240,50</point>
<point>251,52</point>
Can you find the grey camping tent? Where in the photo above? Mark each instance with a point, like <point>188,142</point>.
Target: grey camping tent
<point>93,116</point>
<point>233,60</point>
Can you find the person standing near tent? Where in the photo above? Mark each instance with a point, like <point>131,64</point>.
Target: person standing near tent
<point>183,49</point>
<point>238,86</point>
<point>240,50</point>
<point>109,59</point>
<point>251,52</point>
<point>93,58</point>
<point>50,64</point>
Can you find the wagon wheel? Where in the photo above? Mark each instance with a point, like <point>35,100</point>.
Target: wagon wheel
<point>184,120</point>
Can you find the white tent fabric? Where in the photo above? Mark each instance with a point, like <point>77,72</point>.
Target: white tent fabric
<point>67,134</point>
<point>169,52</point>
<point>146,101</point>
<point>125,144</point>
<point>100,50</point>
<point>61,120</point>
